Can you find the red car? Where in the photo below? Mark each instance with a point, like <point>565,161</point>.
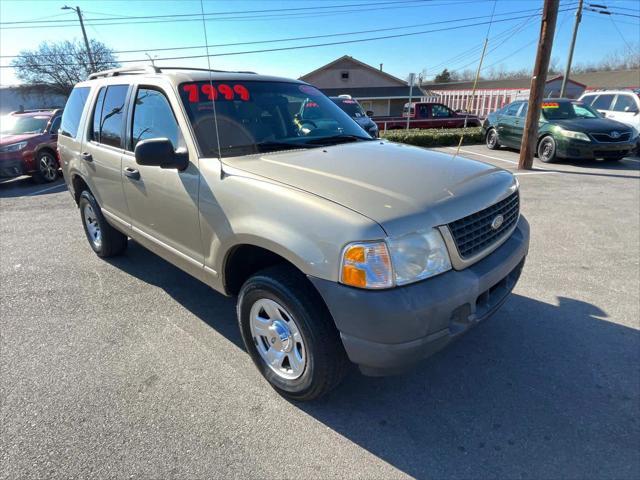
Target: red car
<point>427,115</point>
<point>28,141</point>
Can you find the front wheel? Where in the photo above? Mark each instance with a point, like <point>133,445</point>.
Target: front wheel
<point>491,139</point>
<point>290,335</point>
<point>47,168</point>
<point>547,150</point>
<point>105,240</point>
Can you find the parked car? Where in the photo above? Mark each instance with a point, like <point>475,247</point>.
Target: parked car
<point>568,129</point>
<point>428,115</point>
<point>340,248</point>
<point>355,111</point>
<point>620,105</point>
<point>28,144</point>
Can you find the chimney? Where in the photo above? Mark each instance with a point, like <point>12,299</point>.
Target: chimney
<point>380,67</point>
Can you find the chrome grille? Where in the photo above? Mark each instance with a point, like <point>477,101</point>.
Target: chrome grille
<point>474,233</point>
<point>605,137</point>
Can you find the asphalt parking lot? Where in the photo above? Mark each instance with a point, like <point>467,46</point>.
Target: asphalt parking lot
<point>131,368</point>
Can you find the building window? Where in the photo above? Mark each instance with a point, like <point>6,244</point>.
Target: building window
<point>344,76</point>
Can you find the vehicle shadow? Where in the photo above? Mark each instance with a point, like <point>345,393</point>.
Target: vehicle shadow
<point>540,390</point>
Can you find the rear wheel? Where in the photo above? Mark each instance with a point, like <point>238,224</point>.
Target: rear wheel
<point>547,149</point>
<point>491,139</point>
<point>290,335</point>
<point>47,168</point>
<point>105,240</point>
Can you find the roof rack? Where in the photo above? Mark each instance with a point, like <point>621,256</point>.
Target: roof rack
<point>114,72</point>
<point>206,70</point>
<point>139,69</point>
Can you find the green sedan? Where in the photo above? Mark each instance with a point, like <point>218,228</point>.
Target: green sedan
<point>567,129</point>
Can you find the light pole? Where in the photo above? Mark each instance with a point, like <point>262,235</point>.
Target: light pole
<point>567,70</point>
<point>84,34</point>
<point>412,78</point>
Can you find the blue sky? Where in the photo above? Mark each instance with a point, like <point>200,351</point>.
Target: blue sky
<point>598,36</point>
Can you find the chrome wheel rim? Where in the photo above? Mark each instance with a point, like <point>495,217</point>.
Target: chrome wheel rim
<point>48,167</point>
<point>491,138</point>
<point>277,338</point>
<point>546,150</point>
<point>93,227</point>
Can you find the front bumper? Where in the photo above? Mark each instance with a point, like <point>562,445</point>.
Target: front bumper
<point>577,150</point>
<point>386,331</point>
<point>11,167</point>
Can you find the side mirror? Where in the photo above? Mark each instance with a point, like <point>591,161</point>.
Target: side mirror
<point>369,113</point>
<point>159,152</point>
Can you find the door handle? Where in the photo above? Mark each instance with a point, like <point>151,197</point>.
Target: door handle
<point>86,157</point>
<point>132,173</point>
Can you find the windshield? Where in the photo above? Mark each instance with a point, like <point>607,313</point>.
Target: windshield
<point>567,110</point>
<point>15,125</point>
<point>350,107</point>
<point>258,116</point>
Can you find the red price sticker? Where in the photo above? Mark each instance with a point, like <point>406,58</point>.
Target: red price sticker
<point>206,91</point>
<point>550,105</point>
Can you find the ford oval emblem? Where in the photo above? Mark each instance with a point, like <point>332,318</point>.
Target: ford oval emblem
<point>497,222</point>
<point>615,134</point>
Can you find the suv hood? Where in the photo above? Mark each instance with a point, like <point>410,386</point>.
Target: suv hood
<point>591,125</point>
<point>9,139</point>
<point>402,188</point>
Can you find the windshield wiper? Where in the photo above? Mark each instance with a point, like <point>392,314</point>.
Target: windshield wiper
<point>335,139</point>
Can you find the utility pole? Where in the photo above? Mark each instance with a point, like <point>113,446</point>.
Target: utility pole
<point>567,70</point>
<point>84,34</point>
<point>547,30</point>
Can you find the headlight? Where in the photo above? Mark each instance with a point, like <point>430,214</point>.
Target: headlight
<point>14,147</point>
<point>575,135</point>
<point>418,255</point>
<point>366,265</point>
<point>398,261</point>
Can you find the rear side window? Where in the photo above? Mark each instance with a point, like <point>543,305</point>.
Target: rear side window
<point>73,111</point>
<point>603,102</point>
<point>108,117</point>
<point>625,103</point>
<point>97,112</point>
<point>153,118</point>
<point>588,99</point>
<point>523,111</point>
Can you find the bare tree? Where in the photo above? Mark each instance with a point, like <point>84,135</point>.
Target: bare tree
<point>61,65</point>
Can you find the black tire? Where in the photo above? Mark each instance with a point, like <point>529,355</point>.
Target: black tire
<point>111,242</point>
<point>491,139</point>
<point>547,149</point>
<point>47,167</point>
<point>326,361</point>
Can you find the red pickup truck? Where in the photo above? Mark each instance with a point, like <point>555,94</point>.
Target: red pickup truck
<point>427,115</point>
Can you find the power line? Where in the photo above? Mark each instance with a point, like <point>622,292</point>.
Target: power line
<point>173,19</point>
<point>299,47</point>
<point>199,15</point>
<point>607,12</point>
<point>309,37</point>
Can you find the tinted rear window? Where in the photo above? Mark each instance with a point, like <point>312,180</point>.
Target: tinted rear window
<point>73,111</point>
<point>110,111</point>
